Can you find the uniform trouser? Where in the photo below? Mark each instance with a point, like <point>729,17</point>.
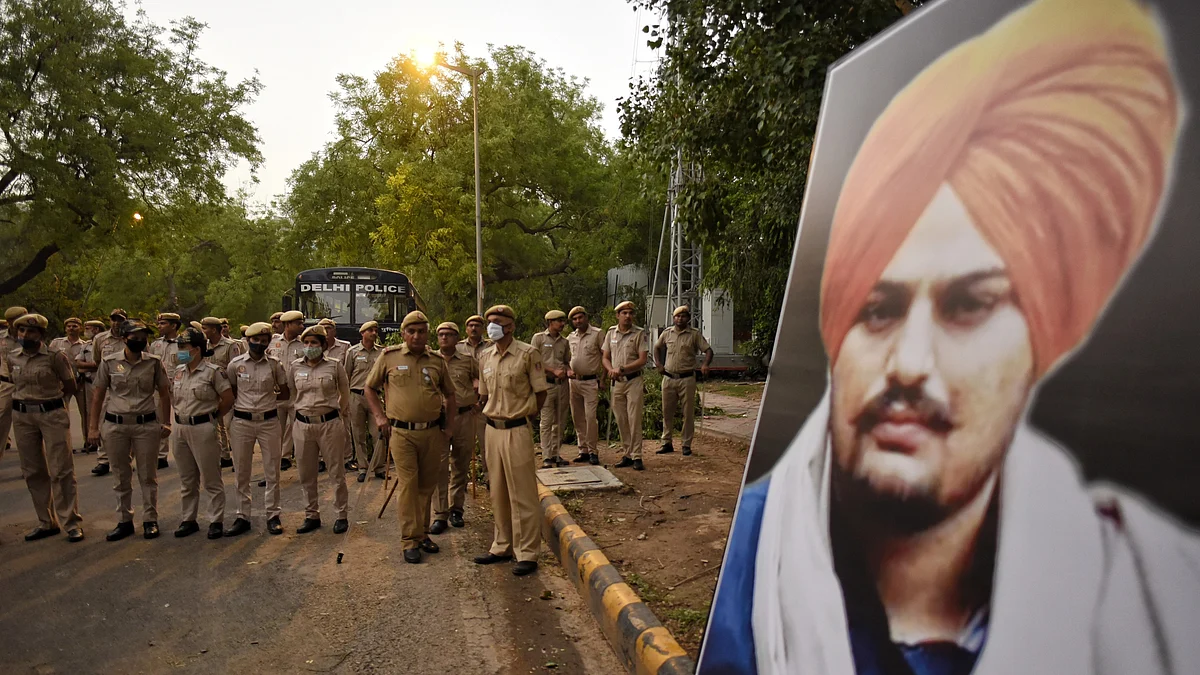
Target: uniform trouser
<point>481,439</point>
<point>454,466</point>
<point>417,455</point>
<point>223,434</point>
<point>43,443</point>
<point>584,395</point>
<point>365,435</point>
<point>164,444</point>
<point>198,456</point>
<point>102,451</point>
<point>242,436</point>
<point>677,391</point>
<point>316,442</point>
<point>627,406</point>
<point>287,422</point>
<point>129,443</point>
<point>6,414</point>
<point>554,418</point>
<point>81,401</point>
<point>515,507</point>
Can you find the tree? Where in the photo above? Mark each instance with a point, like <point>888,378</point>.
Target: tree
<point>100,116</point>
<point>738,93</point>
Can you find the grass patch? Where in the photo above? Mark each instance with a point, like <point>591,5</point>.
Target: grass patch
<point>687,619</point>
<point>645,589</point>
<point>573,505</point>
<point>744,390</point>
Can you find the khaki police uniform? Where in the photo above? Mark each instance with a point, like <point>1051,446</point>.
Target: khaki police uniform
<point>338,351</point>
<point>86,380</point>
<point>223,352</point>
<point>72,351</point>
<point>628,392</point>
<point>196,394</point>
<point>455,466</point>
<point>256,385</point>
<point>104,345</point>
<point>41,429</point>
<point>7,344</point>
<point>322,394</point>
<point>358,363</point>
<point>476,350</point>
<point>414,386</point>
<point>131,428</point>
<point>556,354</point>
<point>679,382</point>
<point>588,368</point>
<point>511,379</point>
<point>168,352</point>
<point>286,352</point>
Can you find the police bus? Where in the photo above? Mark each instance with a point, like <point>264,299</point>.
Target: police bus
<point>352,296</point>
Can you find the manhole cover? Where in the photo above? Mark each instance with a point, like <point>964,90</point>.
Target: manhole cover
<point>579,478</point>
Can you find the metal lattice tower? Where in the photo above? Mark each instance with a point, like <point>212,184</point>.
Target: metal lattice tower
<point>685,261</point>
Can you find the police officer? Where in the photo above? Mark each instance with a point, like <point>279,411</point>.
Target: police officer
<point>586,370</point>
<point>201,394</point>
<point>474,344</point>
<point>71,345</point>
<point>225,329</point>
<point>513,386</point>
<point>8,342</point>
<point>259,383</point>
<point>87,375</point>
<point>675,353</point>
<point>322,395</point>
<point>223,350</point>
<point>164,348</point>
<point>105,344</point>
<point>243,343</point>
<point>451,493</point>
<point>358,362</point>
<point>287,347</point>
<point>276,325</point>
<point>337,347</point>
<point>40,379</point>
<point>556,354</point>
<point>132,397</point>
<point>626,349</point>
<point>417,390</point>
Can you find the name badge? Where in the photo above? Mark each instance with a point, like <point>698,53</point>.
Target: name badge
<point>361,358</point>
<point>303,373</point>
<point>402,368</point>
<point>487,371</point>
<point>243,376</point>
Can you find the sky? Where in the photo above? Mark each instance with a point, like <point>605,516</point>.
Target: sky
<point>298,47</point>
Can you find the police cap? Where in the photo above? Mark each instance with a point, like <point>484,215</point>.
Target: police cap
<point>368,326</point>
<point>448,325</point>
<point>682,309</point>
<point>210,321</point>
<point>576,310</point>
<point>474,318</point>
<point>30,321</point>
<point>134,325</point>
<point>500,310</point>
<point>628,304</point>
<point>555,314</point>
<point>13,313</point>
<point>291,316</point>
<point>412,319</point>
<point>257,328</point>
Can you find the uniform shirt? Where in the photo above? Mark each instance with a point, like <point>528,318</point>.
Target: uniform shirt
<point>285,350</point>
<point>586,351</point>
<point>38,376</point>
<point>682,346</point>
<point>131,386</point>
<point>623,348</point>
<point>70,349</point>
<point>106,344</point>
<point>198,391</point>
<point>338,350</point>
<point>223,352</point>
<point>86,355</point>
<point>319,388</point>
<point>416,383</point>
<point>167,351</point>
<point>511,380</point>
<point>476,350</point>
<point>358,363</point>
<point>255,382</point>
<point>555,351</point>
<point>464,370</point>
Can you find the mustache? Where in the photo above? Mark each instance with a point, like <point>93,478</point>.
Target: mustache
<point>906,403</point>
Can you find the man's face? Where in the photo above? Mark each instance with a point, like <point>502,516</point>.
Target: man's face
<point>293,328</point>
<point>506,323</point>
<point>260,339</point>
<point>29,333</point>
<point>114,321</point>
<point>682,320</point>
<point>580,321</point>
<point>225,331</point>
<point>163,326</point>
<point>625,318</point>
<point>89,333</point>
<point>934,376</point>
<point>447,338</point>
<point>556,326</point>
<point>276,326</point>
<point>474,329</point>
<point>368,336</point>
<point>416,336</point>
<point>73,330</point>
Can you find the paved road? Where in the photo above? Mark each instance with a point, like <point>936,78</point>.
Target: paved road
<point>281,604</point>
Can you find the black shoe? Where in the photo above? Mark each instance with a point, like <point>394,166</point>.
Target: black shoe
<point>41,533</point>
<point>351,465</point>
<point>492,559</point>
<point>666,449</point>
<point>100,470</point>
<point>625,462</point>
<point>240,526</point>
<point>456,519</point>
<point>429,546</point>
<point>308,525</point>
<point>549,464</point>
<point>561,462</point>
<point>284,463</point>
<point>340,526</point>
<point>273,526</point>
<point>150,529</point>
<point>362,476</point>
<point>119,532</point>
<point>638,466</point>
<point>524,567</point>
<point>262,483</point>
<point>163,463</point>
<point>75,534</point>
<point>216,530</point>
<point>321,467</point>
<point>412,555</point>
<point>582,458</point>
<point>187,528</point>
<point>438,527</point>
<point>380,475</point>
<point>594,459</point>
<point>686,451</point>
<point>226,462</point>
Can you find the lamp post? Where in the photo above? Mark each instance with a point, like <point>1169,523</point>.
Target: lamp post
<point>474,73</point>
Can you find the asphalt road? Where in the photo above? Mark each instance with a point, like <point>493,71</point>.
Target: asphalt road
<point>282,604</point>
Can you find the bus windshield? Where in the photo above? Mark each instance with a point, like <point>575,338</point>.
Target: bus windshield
<point>334,304</point>
<point>379,307</point>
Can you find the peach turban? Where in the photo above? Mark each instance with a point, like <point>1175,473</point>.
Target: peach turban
<point>1056,129</point>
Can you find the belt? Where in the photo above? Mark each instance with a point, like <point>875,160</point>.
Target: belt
<point>630,376</point>
<point>464,408</point>
<point>508,424</point>
<point>198,419</point>
<point>585,378</point>
<point>6,379</point>
<point>550,379</point>
<point>360,392</point>
<point>317,419</point>
<point>262,416</point>
<point>416,426</point>
<point>144,418</point>
<point>679,376</point>
<point>37,406</point>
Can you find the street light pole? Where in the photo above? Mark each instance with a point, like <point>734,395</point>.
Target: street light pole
<point>474,74</point>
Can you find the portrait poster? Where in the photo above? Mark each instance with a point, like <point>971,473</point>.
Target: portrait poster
<point>978,446</point>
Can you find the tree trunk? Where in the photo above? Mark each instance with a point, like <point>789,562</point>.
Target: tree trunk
<point>33,268</point>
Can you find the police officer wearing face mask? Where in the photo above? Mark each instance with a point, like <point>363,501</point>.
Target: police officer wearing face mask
<point>8,342</point>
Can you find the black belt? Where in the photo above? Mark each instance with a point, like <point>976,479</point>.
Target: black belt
<point>5,378</point>
<point>198,419</point>
<point>417,426</point>
<point>144,418</point>
<point>360,392</point>
<point>331,415</point>
<point>264,416</point>
<point>679,376</point>
<point>629,376</point>
<point>585,378</point>
<point>508,424</point>
<point>550,379</point>
<point>37,406</point>
<point>464,408</point>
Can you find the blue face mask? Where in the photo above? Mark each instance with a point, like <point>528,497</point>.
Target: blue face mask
<point>183,357</point>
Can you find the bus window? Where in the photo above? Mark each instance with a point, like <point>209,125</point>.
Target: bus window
<point>322,304</point>
<point>375,307</point>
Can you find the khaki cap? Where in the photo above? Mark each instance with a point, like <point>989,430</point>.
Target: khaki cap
<point>368,326</point>
<point>73,319</point>
<point>257,328</point>
<point>291,316</point>
<point>327,322</point>
<point>576,310</point>
<point>196,324</point>
<point>448,325</point>
<point>224,321</point>
<point>30,321</point>
<point>413,318</point>
<point>118,312</point>
<point>210,321</point>
<point>242,329</point>
<point>169,316</point>
<point>682,309</point>
<point>473,318</point>
<point>13,313</point>
<point>628,304</point>
<point>500,310</point>
<point>95,324</point>
<point>276,315</point>
<point>135,325</point>
<point>555,314</point>
<point>318,330</point>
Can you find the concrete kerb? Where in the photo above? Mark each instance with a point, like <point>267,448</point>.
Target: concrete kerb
<point>636,635</point>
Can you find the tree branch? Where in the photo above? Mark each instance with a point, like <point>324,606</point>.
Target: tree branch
<point>541,229</point>
<point>33,268</point>
<point>503,271</point>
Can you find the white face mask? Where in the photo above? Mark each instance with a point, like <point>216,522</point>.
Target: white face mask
<point>495,331</point>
